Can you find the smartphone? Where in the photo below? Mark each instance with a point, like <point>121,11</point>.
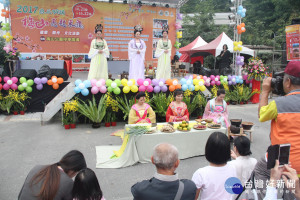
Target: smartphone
<point>284,154</point>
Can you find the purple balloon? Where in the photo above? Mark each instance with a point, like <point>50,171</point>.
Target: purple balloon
<point>37,81</point>
<point>39,86</point>
<point>44,80</point>
<point>229,82</point>
<point>156,89</point>
<point>164,88</point>
<point>155,82</point>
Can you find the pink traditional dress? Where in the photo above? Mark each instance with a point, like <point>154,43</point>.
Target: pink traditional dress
<point>218,113</point>
<point>174,113</point>
<point>136,116</point>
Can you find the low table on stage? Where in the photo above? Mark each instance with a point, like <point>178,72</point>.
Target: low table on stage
<point>140,148</point>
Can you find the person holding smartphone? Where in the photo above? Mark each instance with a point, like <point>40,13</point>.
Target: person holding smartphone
<point>284,113</point>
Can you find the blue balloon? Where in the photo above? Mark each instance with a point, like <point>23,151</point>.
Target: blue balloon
<point>77,90</point>
<point>243,15</point>
<point>184,87</point>
<point>240,12</point>
<point>240,8</point>
<point>77,82</point>
<point>183,81</point>
<point>85,92</point>
<point>87,83</point>
<point>191,87</point>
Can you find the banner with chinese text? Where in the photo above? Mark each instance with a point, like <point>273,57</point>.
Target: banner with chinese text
<point>292,42</point>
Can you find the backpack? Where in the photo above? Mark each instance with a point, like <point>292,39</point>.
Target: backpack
<point>44,71</point>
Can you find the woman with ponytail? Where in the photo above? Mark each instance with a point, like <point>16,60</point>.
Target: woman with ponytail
<point>53,182</point>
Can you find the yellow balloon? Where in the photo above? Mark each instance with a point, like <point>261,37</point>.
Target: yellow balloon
<point>240,43</point>
<point>124,82</point>
<point>240,48</point>
<point>202,88</point>
<point>8,37</point>
<point>197,87</point>
<point>134,88</point>
<point>196,81</point>
<point>133,81</point>
<point>235,48</point>
<point>235,43</point>
<point>126,89</point>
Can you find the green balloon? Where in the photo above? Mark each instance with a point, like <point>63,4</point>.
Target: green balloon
<point>30,82</point>
<point>110,89</point>
<point>221,77</point>
<point>108,82</point>
<point>21,88</point>
<point>118,82</point>
<point>28,89</point>
<point>222,81</point>
<point>117,90</point>
<point>22,80</point>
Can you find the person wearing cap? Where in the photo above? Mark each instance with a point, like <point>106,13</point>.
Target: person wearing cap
<point>284,113</point>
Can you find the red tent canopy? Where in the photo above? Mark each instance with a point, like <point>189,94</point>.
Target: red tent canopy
<point>187,51</point>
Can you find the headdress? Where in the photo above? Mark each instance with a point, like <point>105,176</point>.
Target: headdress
<point>165,27</point>
<point>138,28</point>
<point>98,27</point>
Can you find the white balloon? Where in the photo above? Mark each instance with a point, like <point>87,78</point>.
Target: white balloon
<point>244,10</point>
<point>113,85</point>
<point>189,82</point>
<point>81,86</point>
<point>161,83</point>
<point>146,83</point>
<point>200,83</point>
<point>129,83</point>
<point>24,85</point>
<point>198,77</point>
<point>225,79</point>
<point>175,82</point>
<point>54,80</point>
<point>9,82</point>
<point>98,83</point>
<point>216,79</point>
<point>207,81</point>
<point>233,80</point>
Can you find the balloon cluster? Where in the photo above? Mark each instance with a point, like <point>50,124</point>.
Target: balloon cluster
<point>237,46</point>
<point>199,85</point>
<point>179,16</point>
<point>159,85</point>
<point>25,85</point>
<point>113,86</point>
<point>129,85</point>
<point>8,37</point>
<point>241,28</point>
<point>7,48</point>
<point>187,84</point>
<point>179,34</point>
<point>10,83</point>
<point>5,2</point>
<point>98,86</point>
<point>177,25</point>
<point>81,87</point>
<point>245,78</point>
<point>178,54</point>
<point>145,85</point>
<point>233,80</point>
<point>240,60</point>
<point>177,45</point>
<point>241,11</point>
<point>5,26</point>
<point>1,83</point>
<point>55,82</point>
<point>5,13</point>
<point>39,82</point>
<point>173,84</point>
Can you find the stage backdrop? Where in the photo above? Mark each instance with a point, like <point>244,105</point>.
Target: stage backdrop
<point>292,42</point>
<point>62,29</point>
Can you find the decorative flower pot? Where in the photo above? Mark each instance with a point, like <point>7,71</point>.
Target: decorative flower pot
<point>22,112</point>
<point>107,124</point>
<point>199,117</point>
<point>67,126</point>
<point>113,123</point>
<point>96,125</point>
<point>228,103</point>
<point>15,112</point>
<point>73,125</point>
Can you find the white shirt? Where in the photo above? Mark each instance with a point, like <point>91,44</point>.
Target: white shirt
<point>211,181</point>
<point>138,45</point>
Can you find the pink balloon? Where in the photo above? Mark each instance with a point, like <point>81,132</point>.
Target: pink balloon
<point>6,78</point>
<point>103,89</point>
<point>102,81</point>
<point>204,78</point>
<point>1,86</point>
<point>212,77</point>
<point>142,88</point>
<point>14,86</point>
<point>213,83</point>
<point>6,86</point>
<point>140,81</point>
<point>14,79</point>
<point>245,77</point>
<point>150,88</point>
<point>93,82</point>
<point>94,90</point>
<point>149,80</point>
<point>218,77</point>
<point>218,83</point>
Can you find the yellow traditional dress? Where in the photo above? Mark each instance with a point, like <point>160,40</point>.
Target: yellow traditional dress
<point>164,59</point>
<point>135,115</point>
<point>98,66</point>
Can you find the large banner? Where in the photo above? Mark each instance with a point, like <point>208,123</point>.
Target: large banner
<point>59,29</point>
<point>292,42</point>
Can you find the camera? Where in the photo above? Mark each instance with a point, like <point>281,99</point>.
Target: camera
<point>277,83</point>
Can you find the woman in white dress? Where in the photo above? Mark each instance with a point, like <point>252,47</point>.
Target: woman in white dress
<point>136,55</point>
<point>98,54</point>
<point>163,53</point>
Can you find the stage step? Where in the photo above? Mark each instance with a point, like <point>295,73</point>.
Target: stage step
<point>56,104</point>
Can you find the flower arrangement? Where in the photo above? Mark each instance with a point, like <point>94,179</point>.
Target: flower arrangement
<point>12,53</point>
<point>214,91</point>
<point>69,109</point>
<point>256,69</point>
<point>111,108</point>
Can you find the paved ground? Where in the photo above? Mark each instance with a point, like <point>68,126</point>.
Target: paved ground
<point>24,142</point>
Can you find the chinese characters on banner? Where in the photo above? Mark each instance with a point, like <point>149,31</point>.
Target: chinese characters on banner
<point>292,42</point>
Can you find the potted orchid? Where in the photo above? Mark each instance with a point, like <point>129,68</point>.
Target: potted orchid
<point>12,53</point>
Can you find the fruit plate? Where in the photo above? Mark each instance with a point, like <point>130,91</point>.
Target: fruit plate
<point>168,131</point>
<point>184,130</point>
<point>215,126</point>
<point>195,127</point>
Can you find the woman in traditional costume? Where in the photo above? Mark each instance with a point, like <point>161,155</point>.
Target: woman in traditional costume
<point>136,55</point>
<point>177,110</point>
<point>163,53</point>
<point>141,112</point>
<point>216,109</point>
<point>98,54</point>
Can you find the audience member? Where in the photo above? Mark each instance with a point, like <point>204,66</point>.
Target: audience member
<point>165,184</point>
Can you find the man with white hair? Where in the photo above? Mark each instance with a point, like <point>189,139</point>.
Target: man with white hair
<point>165,184</point>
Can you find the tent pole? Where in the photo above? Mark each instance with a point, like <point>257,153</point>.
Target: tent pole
<point>215,63</point>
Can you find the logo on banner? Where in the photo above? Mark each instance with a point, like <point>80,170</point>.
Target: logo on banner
<point>82,10</point>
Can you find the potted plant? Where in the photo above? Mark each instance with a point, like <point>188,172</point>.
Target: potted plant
<point>160,103</point>
<point>125,105</point>
<point>111,109</point>
<point>69,116</point>
<point>6,104</point>
<point>93,111</point>
<point>107,118</point>
<point>12,53</point>
<point>113,119</point>
<point>24,99</point>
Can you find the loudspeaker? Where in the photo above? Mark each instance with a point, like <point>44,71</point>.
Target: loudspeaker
<point>60,73</point>
<point>27,73</point>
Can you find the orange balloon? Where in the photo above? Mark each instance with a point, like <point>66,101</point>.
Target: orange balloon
<point>54,77</point>
<point>172,88</point>
<point>169,82</point>
<point>194,76</point>
<point>201,77</point>
<point>50,82</point>
<point>239,31</point>
<point>239,27</point>
<point>243,30</point>
<point>178,86</point>
<point>55,86</point>
<point>60,80</point>
<point>242,24</point>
